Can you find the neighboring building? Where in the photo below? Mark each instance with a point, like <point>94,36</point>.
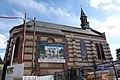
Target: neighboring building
<point>118,53</point>
<point>57,47</point>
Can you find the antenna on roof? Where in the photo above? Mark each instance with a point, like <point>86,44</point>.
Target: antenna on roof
<point>81,6</point>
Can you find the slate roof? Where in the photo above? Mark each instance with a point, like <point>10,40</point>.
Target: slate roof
<point>52,28</point>
<point>46,30</point>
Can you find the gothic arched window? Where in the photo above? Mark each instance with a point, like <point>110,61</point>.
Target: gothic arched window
<point>83,49</point>
<point>102,52</point>
<point>16,50</point>
<point>51,40</point>
<point>98,51</point>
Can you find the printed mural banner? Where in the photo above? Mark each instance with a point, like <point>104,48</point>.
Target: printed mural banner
<point>51,52</point>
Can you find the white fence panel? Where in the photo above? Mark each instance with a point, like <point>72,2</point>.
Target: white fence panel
<point>49,77</point>
<point>29,77</point>
<point>9,78</point>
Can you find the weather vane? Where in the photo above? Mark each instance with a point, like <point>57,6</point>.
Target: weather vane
<point>81,6</point>
<point>80,3</point>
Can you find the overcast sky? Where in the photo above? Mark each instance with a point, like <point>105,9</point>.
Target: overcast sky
<point>103,15</point>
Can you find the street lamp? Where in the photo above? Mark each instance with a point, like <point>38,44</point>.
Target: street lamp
<point>33,65</point>
<point>23,41</point>
<point>23,32</point>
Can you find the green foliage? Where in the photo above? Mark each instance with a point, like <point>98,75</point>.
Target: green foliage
<point>118,72</point>
<point>118,53</point>
<point>95,67</point>
<point>60,76</point>
<point>73,74</point>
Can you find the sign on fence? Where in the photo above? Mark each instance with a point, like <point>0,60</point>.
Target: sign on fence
<point>14,71</point>
<point>102,68</point>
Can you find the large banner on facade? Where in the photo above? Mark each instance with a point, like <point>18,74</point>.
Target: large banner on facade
<point>51,52</point>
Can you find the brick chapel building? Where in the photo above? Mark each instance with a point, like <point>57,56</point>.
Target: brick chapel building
<point>57,47</point>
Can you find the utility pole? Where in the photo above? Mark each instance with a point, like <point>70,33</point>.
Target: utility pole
<point>33,50</point>
<point>23,38</point>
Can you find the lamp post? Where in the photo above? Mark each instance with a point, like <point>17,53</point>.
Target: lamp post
<point>33,50</point>
<point>23,37</point>
<point>23,32</point>
<point>33,65</point>
<point>23,40</point>
<point>22,44</point>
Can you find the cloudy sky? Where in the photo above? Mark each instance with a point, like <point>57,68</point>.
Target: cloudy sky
<point>103,16</point>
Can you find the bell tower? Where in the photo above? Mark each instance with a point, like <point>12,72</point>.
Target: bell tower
<point>84,22</point>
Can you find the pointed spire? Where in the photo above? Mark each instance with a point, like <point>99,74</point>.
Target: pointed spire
<point>82,13</point>
<point>83,18</point>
